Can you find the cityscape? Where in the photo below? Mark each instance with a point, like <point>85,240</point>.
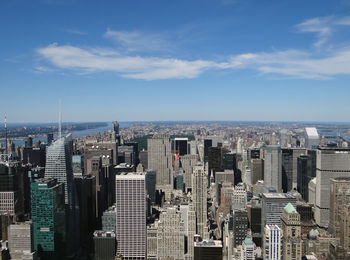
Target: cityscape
<point>174,130</point>
<point>178,190</point>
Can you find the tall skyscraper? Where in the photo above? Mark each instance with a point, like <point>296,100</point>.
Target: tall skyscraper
<point>257,170</point>
<point>59,166</point>
<point>331,163</point>
<point>151,178</point>
<point>48,216</point>
<point>291,230</point>
<point>199,197</point>
<point>273,242</point>
<point>170,235</point>
<point>273,167</point>
<point>339,200</point>
<point>187,163</point>
<point>306,168</point>
<point>160,159</point>
<point>188,216</point>
<point>272,207</point>
<point>131,215</point>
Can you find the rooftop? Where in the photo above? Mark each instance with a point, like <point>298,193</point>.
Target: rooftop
<point>290,208</point>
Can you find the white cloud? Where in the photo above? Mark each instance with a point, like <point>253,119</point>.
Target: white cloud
<point>323,27</point>
<point>138,41</point>
<point>74,31</point>
<point>298,64</point>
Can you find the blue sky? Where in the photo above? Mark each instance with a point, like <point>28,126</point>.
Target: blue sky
<point>175,60</point>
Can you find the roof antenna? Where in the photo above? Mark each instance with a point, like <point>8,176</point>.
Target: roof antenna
<point>59,120</point>
<point>6,146</point>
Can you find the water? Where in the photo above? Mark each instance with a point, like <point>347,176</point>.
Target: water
<point>79,133</point>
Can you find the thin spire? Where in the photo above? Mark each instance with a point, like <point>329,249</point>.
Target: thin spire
<point>6,147</point>
<point>59,120</point>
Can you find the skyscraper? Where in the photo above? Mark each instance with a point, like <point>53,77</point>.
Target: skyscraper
<point>273,167</point>
<point>331,163</point>
<point>306,168</point>
<point>131,215</point>
<point>170,235</point>
<point>160,160</point>
<point>199,197</point>
<point>151,178</point>
<point>48,216</point>
<point>59,166</point>
<point>291,230</point>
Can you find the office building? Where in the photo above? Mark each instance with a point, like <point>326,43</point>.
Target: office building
<point>59,166</point>
<point>208,250</point>
<point>20,239</point>
<point>151,179</point>
<point>339,200</point>
<point>187,163</point>
<point>291,230</point>
<point>160,159</point>
<point>86,194</point>
<point>306,168</point>
<point>272,207</point>
<point>273,242</point>
<point>131,215</point>
<point>104,245</point>
<point>331,163</point>
<point>170,236</point>
<point>11,189</point>
<point>199,197</point>
<point>34,156</point>
<point>181,146</point>
<point>48,217</point>
<point>152,247</point>
<point>239,197</point>
<point>273,167</point>
<point>287,169</point>
<point>188,216</point>
<point>240,226</point>
<point>257,170</point>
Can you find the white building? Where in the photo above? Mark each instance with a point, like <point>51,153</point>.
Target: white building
<point>131,215</point>
<point>312,138</point>
<point>272,242</point>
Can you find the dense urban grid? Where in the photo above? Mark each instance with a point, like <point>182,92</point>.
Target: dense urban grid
<point>178,190</point>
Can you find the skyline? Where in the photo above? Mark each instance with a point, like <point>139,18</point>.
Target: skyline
<point>162,61</point>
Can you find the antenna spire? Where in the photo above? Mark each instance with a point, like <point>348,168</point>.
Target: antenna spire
<point>6,146</point>
<point>59,120</point>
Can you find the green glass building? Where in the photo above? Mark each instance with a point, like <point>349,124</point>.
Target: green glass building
<point>48,216</point>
